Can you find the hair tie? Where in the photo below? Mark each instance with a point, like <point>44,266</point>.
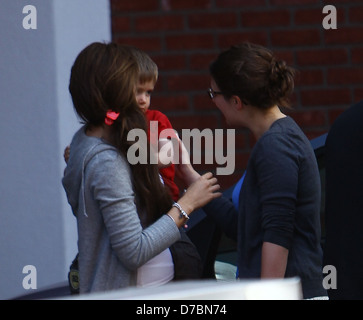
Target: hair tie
<point>111,116</point>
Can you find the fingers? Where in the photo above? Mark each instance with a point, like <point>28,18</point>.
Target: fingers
<point>202,191</point>
<point>212,181</point>
<point>216,195</point>
<point>207,175</point>
<point>215,188</point>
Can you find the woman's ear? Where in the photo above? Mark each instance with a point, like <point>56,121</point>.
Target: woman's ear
<point>237,102</point>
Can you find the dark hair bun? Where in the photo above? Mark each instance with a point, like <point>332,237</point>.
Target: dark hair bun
<point>252,72</point>
<point>281,82</point>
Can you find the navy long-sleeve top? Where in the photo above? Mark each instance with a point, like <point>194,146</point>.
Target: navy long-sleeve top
<point>279,203</point>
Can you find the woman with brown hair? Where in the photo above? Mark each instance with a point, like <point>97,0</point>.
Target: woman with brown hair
<point>125,216</point>
<point>277,223</point>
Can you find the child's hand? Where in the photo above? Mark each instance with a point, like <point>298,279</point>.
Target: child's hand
<point>66,154</point>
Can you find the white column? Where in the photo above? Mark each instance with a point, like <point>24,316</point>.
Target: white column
<point>37,50</point>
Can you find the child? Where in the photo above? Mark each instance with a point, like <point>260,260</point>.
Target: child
<point>148,76</point>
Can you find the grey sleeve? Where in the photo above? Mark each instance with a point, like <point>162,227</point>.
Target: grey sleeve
<point>111,187</point>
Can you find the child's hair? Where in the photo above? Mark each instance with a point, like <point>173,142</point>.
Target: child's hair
<point>104,77</point>
<point>252,73</point>
<point>148,69</point>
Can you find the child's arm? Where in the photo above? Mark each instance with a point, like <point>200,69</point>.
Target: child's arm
<point>66,153</point>
<point>165,153</point>
<point>183,168</point>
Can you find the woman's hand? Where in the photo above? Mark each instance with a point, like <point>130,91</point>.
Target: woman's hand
<point>201,191</point>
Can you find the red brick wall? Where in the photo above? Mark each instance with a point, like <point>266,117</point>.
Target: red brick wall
<point>184,36</point>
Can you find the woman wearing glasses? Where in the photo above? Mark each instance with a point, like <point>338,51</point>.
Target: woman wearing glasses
<point>277,222</point>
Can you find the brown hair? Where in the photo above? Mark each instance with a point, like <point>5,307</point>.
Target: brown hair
<point>103,77</point>
<point>148,69</point>
<point>251,72</point>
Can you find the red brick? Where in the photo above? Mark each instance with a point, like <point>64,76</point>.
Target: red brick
<point>294,100</point>
<point>310,118</point>
<point>346,76</point>
<point>265,18</point>
<point>358,94</point>
<point>322,57</point>
<point>356,14</point>
<point>145,43</point>
<point>231,38</point>
<point>203,102</point>
<point>343,1</point>
<point>189,41</point>
<point>286,56</point>
<point>344,35</point>
<point>213,20</point>
<point>166,103</point>
<point>159,23</point>
<point>308,16</point>
<point>159,86</point>
<point>316,16</point>
<point>295,37</point>
<point>120,24</point>
<point>239,3</point>
<point>185,4</point>
<point>294,2</point>
<point>325,97</point>
<point>310,77</point>
<point>357,55</point>
<point>168,62</point>
<point>137,6</point>
<point>184,36</point>
<point>193,121</point>
<point>201,61</point>
<point>188,82</point>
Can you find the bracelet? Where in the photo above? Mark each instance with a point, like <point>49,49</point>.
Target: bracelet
<point>182,212</point>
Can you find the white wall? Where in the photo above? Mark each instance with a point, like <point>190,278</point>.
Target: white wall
<point>36,122</point>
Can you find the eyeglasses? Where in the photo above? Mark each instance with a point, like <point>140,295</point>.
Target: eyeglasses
<point>213,93</point>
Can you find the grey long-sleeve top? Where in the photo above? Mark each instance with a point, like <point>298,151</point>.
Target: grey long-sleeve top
<point>111,241</point>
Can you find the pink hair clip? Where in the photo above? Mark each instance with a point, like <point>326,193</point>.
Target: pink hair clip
<point>111,116</point>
